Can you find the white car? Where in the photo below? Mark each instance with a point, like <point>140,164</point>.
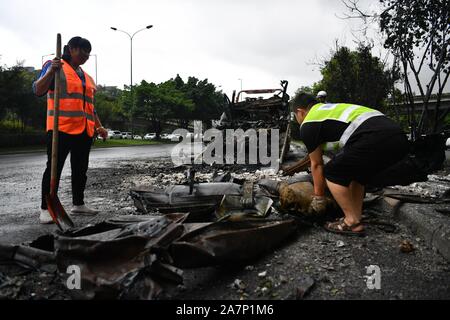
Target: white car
<point>137,137</point>
<point>114,134</point>
<point>150,136</point>
<point>165,136</point>
<point>175,137</point>
<point>447,144</point>
<point>127,135</point>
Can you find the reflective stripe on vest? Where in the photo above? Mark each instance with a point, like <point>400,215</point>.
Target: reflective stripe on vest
<point>66,95</point>
<point>71,114</point>
<point>76,104</point>
<point>356,123</point>
<point>355,115</point>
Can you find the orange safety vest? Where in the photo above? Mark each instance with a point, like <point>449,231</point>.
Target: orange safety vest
<point>76,108</point>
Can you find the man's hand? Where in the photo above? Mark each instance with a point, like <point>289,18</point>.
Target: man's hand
<point>102,133</point>
<point>318,205</point>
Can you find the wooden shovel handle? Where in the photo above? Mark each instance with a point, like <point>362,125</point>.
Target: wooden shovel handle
<point>54,165</point>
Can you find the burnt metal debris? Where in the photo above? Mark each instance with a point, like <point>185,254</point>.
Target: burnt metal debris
<point>200,203</point>
<point>259,113</point>
<point>119,254</point>
<point>124,257</point>
<point>28,257</point>
<point>228,199</point>
<point>137,257</point>
<point>229,242</point>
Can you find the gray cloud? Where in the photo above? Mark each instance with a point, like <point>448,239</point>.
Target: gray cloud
<point>259,41</point>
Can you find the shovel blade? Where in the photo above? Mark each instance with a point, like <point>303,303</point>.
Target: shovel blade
<point>58,214</point>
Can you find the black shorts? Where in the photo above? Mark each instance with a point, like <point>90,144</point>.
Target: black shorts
<point>363,158</point>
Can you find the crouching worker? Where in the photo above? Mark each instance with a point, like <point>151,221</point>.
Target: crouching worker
<point>78,120</point>
<point>364,142</point>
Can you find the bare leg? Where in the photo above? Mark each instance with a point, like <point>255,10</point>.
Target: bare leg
<point>357,190</point>
<point>350,200</point>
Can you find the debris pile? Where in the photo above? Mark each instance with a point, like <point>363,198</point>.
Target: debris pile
<point>436,187</point>
<point>135,257</point>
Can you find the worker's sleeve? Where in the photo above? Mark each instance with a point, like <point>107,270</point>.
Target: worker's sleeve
<point>310,135</point>
<point>45,69</point>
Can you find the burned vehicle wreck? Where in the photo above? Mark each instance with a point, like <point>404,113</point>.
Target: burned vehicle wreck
<point>259,114</point>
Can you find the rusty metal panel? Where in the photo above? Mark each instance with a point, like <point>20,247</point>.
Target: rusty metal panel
<point>229,242</point>
<point>111,261</point>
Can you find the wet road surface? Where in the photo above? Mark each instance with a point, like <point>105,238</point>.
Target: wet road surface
<point>21,175</point>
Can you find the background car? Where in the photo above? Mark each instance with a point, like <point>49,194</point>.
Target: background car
<point>114,134</point>
<point>447,144</point>
<point>174,137</point>
<point>137,137</point>
<point>127,135</point>
<point>150,136</point>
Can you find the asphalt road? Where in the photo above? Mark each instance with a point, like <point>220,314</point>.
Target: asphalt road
<point>29,160</point>
<point>21,176</point>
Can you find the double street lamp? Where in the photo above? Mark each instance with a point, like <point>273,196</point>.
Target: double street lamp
<point>131,67</point>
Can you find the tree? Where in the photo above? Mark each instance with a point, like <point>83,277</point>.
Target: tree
<point>207,101</point>
<point>3,94</point>
<point>417,34</point>
<point>17,98</point>
<point>158,103</point>
<point>355,77</point>
<point>305,89</point>
<point>108,108</point>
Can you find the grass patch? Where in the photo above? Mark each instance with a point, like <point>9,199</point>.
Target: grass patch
<point>15,126</point>
<point>124,143</point>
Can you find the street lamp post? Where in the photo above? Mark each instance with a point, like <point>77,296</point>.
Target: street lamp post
<point>45,55</point>
<point>131,67</point>
<point>241,84</point>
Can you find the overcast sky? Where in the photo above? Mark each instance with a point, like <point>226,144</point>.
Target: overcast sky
<point>258,41</point>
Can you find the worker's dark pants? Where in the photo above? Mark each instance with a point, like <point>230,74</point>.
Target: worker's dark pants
<point>79,147</point>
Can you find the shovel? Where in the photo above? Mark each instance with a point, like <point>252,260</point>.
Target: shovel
<point>56,210</point>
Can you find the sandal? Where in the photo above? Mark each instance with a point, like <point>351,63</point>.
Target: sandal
<point>340,227</point>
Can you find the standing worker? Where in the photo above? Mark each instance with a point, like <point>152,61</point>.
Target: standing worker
<point>365,141</point>
<point>78,120</point>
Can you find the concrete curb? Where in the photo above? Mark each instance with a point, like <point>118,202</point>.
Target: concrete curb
<point>428,224</point>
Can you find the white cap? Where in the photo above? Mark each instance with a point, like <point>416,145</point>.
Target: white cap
<point>321,94</point>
